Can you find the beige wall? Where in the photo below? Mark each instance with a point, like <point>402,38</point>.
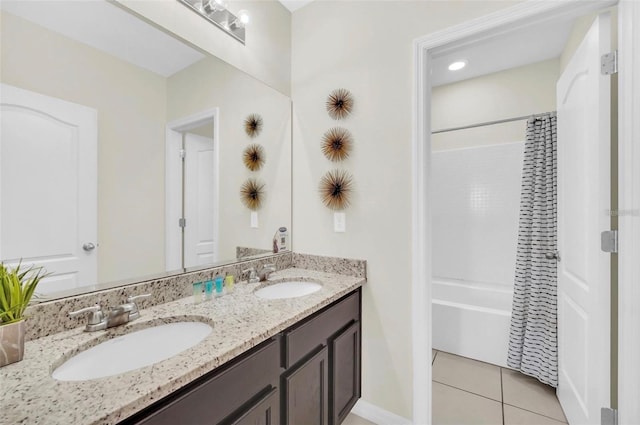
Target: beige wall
<point>511,93</point>
<point>237,95</point>
<point>366,47</point>
<point>131,113</point>
<point>267,52</point>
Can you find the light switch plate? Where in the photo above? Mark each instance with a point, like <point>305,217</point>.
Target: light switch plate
<point>339,222</point>
<point>254,219</point>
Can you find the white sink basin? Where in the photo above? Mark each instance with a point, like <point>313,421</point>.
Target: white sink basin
<point>132,351</point>
<point>282,290</point>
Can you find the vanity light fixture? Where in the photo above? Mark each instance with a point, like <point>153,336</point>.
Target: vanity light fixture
<point>457,65</point>
<point>216,12</point>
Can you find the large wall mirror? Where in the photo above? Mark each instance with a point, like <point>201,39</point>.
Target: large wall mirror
<point>121,150</point>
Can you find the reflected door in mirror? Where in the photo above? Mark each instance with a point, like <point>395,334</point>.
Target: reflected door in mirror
<point>48,187</point>
<point>199,201</point>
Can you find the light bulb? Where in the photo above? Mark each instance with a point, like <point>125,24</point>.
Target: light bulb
<point>216,5</point>
<point>243,16</point>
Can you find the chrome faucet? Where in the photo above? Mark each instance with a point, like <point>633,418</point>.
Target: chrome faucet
<point>265,271</point>
<point>117,316</point>
<point>253,275</point>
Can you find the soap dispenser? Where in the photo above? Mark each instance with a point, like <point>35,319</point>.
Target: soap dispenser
<point>283,239</point>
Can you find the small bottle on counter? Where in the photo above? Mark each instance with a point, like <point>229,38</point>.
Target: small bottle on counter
<point>229,281</point>
<point>208,290</point>
<point>219,286</point>
<point>197,292</point>
<point>283,239</point>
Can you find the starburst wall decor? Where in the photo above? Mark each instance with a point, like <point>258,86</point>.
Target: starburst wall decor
<point>253,157</point>
<point>337,144</point>
<point>253,125</point>
<point>252,194</point>
<point>339,104</point>
<point>335,189</point>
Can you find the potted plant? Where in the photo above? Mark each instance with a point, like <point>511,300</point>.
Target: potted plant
<point>16,289</point>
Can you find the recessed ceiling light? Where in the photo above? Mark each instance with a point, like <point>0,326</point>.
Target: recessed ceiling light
<point>457,65</point>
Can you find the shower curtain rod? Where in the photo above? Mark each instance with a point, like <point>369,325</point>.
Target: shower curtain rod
<point>483,124</point>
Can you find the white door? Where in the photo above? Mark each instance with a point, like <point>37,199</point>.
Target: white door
<point>199,200</point>
<point>583,101</point>
<point>48,186</point>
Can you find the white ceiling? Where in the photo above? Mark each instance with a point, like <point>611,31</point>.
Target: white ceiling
<point>135,41</point>
<point>295,4</point>
<point>110,29</point>
<point>520,47</point>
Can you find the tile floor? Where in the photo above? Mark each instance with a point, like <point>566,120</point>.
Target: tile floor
<point>469,392</point>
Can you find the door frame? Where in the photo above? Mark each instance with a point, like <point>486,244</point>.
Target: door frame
<point>173,187</point>
<point>629,212</point>
<point>526,14</point>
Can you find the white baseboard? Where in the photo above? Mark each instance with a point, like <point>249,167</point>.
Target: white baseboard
<point>377,415</point>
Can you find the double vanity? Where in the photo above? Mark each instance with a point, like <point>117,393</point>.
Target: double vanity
<point>290,358</point>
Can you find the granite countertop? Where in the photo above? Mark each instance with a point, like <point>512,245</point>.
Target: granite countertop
<point>240,321</point>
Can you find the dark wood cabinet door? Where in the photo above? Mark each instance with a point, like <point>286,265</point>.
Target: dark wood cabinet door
<point>306,392</point>
<point>213,399</point>
<point>345,372</point>
<point>266,411</point>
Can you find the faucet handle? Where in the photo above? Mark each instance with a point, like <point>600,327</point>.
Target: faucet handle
<point>134,298</point>
<point>253,274</point>
<point>95,317</point>
<point>135,312</point>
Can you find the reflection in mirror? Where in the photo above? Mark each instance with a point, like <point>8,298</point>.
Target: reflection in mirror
<point>121,149</point>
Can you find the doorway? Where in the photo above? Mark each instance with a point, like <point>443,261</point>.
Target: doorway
<point>498,23</point>
<point>192,191</point>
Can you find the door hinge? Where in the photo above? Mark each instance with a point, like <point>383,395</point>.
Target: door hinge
<point>609,241</point>
<point>609,63</point>
<point>183,153</point>
<point>608,416</point>
<point>182,222</point>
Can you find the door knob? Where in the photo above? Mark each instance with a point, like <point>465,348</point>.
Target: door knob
<point>88,247</point>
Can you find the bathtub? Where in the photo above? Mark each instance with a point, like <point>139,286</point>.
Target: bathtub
<point>472,319</point>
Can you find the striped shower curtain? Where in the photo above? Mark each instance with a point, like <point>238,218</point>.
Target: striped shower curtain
<point>533,342</point>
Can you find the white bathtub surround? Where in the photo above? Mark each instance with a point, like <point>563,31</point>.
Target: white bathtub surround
<point>533,340</point>
<point>476,197</point>
<point>472,320</point>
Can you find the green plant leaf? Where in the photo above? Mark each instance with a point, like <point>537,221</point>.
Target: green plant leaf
<point>17,286</point>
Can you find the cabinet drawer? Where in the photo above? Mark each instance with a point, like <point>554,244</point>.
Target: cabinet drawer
<point>301,340</point>
<point>227,391</point>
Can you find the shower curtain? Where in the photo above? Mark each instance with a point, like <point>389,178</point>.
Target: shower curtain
<point>533,343</point>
